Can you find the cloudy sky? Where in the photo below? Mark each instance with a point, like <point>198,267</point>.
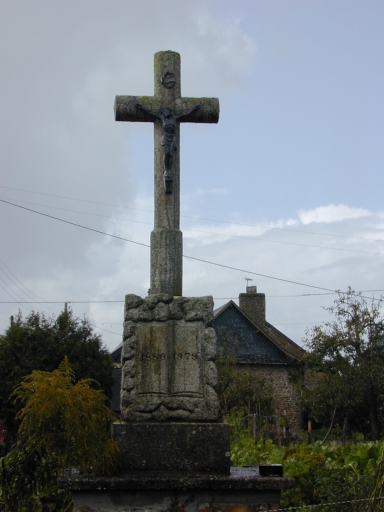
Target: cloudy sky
<point>287,187</point>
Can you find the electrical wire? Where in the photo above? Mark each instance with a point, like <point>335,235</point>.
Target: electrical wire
<point>194,217</point>
<point>184,255</point>
<point>15,301</point>
<point>214,298</point>
<point>17,286</point>
<point>110,332</point>
<point>225,235</point>
<point>74,224</point>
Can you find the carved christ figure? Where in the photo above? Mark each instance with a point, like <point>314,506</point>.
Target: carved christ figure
<point>168,142</point>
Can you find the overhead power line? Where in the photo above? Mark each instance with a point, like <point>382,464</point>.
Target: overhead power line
<point>74,224</point>
<point>28,293</point>
<point>225,235</point>
<point>64,301</point>
<point>146,245</point>
<point>214,298</point>
<point>195,217</point>
<point>106,330</point>
<point>15,301</point>
<point>184,255</point>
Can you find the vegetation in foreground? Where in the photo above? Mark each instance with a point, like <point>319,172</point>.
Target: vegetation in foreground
<point>324,473</point>
<point>63,425</point>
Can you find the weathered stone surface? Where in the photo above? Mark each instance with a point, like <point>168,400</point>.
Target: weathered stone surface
<point>199,308</point>
<point>166,259</point>
<point>161,312</point>
<point>176,309</point>
<point>193,501</point>
<point>129,368</point>
<point>210,343</point>
<point>174,446</point>
<point>211,373</point>
<point>128,349</point>
<point>152,300</point>
<point>129,383</point>
<point>140,313</point>
<point>242,481</point>
<point>168,372</point>
<point>129,329</point>
<point>132,301</point>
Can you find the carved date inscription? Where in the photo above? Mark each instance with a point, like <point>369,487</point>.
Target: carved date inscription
<point>152,372</point>
<point>177,356</point>
<point>169,360</point>
<point>187,369</point>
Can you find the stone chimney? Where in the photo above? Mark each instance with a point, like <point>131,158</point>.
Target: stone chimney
<point>253,305</point>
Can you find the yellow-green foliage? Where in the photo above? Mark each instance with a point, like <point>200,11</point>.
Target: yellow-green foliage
<point>63,425</point>
<point>67,420</point>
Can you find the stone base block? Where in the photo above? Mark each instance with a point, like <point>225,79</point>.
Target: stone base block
<point>243,490</point>
<point>202,447</point>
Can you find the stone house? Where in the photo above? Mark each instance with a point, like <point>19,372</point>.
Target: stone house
<point>256,344</point>
<point>264,349</point>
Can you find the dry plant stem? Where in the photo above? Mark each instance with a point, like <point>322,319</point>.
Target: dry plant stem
<point>331,425</point>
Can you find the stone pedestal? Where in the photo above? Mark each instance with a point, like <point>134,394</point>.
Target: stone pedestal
<point>169,405</point>
<point>175,457</point>
<point>241,491</point>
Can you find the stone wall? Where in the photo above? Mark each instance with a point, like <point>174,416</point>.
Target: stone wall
<point>285,394</point>
<point>168,354</point>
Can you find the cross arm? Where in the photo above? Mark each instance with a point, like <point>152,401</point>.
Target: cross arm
<point>126,108</point>
<point>207,113</point>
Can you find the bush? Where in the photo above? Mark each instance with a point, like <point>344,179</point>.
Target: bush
<point>41,343</point>
<point>63,425</point>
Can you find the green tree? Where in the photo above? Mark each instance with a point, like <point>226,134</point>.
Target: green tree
<point>63,425</point>
<point>240,388</point>
<point>41,343</point>
<point>347,360</point>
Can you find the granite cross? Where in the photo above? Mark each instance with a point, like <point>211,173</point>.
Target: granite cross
<point>166,109</point>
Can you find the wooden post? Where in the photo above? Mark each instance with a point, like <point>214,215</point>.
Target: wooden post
<point>309,431</point>
<point>254,428</point>
<point>278,431</point>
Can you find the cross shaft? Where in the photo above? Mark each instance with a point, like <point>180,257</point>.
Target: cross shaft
<point>166,238</point>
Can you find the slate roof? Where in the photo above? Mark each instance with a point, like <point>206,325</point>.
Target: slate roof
<point>115,400</point>
<point>116,354</point>
<point>116,375</point>
<point>252,343</point>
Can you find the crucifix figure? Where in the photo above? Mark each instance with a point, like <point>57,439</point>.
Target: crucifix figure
<point>166,109</point>
<point>168,121</point>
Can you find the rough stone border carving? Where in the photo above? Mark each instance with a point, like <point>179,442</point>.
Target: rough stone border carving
<point>165,308</point>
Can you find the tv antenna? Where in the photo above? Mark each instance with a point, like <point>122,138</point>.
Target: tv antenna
<point>248,279</point>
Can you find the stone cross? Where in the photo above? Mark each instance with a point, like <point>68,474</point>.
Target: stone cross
<point>166,109</point>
